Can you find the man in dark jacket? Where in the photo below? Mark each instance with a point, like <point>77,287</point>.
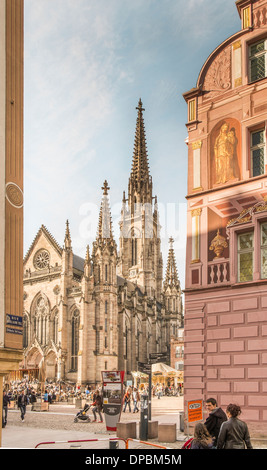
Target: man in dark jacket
<point>6,402</point>
<point>215,419</point>
<point>22,402</point>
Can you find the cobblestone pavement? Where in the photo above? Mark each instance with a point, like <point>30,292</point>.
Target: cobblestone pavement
<point>57,424</point>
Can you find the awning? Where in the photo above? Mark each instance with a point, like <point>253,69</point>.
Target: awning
<point>137,373</point>
<point>163,370</point>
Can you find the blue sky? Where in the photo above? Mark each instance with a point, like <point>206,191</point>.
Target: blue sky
<point>87,63</point>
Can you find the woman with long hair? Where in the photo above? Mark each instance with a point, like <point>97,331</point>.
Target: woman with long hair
<point>234,433</point>
<point>202,439</point>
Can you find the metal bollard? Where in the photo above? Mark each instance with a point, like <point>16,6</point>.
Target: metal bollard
<point>181,416</point>
<point>144,417</point>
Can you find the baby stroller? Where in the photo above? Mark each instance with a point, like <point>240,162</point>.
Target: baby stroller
<point>82,416</point>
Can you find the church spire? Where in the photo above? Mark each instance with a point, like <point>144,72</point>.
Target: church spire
<point>105,223</point>
<point>140,182</point>
<point>87,256</point>
<point>87,263</point>
<point>172,292</point>
<point>171,278</point>
<point>67,241</point>
<point>140,168</point>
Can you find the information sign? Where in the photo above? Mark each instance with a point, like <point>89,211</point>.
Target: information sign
<point>112,397</point>
<point>194,410</point>
<point>14,324</point>
<point>144,367</point>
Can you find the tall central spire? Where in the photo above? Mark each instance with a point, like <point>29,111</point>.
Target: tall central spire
<point>140,182</point>
<point>140,258</point>
<point>140,168</point>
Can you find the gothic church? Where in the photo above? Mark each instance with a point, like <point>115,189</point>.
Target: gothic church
<point>112,309</point>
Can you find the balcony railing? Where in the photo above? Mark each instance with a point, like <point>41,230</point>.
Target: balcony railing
<point>218,272</point>
<point>42,272</point>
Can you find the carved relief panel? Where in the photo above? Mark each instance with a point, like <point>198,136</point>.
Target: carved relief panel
<point>218,76</point>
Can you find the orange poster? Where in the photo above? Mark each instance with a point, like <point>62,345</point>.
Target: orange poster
<point>194,410</point>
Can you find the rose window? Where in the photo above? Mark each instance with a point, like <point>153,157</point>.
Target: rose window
<point>41,259</point>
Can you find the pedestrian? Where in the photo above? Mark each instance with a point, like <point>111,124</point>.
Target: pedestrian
<point>202,438</point>
<point>98,405</point>
<point>6,402</point>
<point>136,399</point>
<point>32,397</point>
<point>127,401</point>
<point>22,403</point>
<point>234,433</point>
<point>215,419</point>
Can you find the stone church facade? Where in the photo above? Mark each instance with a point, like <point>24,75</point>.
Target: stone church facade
<point>111,309</point>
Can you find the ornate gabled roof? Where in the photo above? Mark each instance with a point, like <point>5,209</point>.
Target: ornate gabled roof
<point>171,278</point>
<point>43,230</point>
<point>78,262</point>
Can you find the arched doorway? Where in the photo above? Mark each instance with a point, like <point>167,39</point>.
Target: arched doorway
<point>34,358</point>
<point>46,363</point>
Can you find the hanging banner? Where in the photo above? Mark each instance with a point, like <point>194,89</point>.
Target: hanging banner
<point>112,397</point>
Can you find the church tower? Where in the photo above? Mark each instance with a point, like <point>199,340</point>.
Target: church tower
<point>140,259</point>
<point>173,294</point>
<point>104,258</point>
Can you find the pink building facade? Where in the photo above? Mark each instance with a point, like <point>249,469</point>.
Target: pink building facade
<point>225,352</point>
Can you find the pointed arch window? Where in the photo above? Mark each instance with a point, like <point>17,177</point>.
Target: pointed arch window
<point>106,272</point>
<point>54,332</point>
<point>138,337</point>
<point>126,338</point>
<point>134,251</point>
<point>41,314</point>
<point>75,323</point>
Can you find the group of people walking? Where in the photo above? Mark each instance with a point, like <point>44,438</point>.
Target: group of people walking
<point>131,396</point>
<point>22,402</point>
<point>221,430</point>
